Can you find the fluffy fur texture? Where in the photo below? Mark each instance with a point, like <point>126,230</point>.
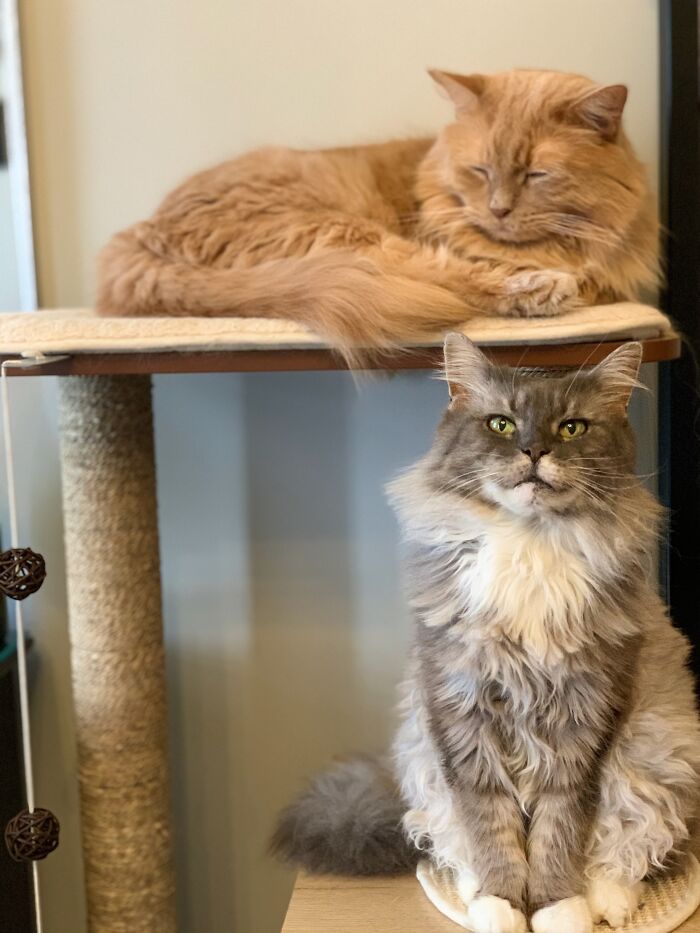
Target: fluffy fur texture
<point>549,749</point>
<point>530,202</point>
<point>363,837</point>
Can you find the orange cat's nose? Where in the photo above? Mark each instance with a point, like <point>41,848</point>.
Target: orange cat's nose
<point>500,212</point>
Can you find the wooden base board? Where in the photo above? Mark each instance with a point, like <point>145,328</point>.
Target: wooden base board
<point>657,349</point>
<point>380,905</point>
<point>325,904</point>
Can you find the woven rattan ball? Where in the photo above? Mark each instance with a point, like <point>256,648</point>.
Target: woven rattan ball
<point>32,836</point>
<point>22,572</point>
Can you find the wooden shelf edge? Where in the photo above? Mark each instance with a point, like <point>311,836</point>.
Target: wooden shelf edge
<point>657,349</point>
<point>325,904</point>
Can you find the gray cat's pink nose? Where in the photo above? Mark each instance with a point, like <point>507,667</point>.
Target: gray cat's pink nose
<point>534,455</point>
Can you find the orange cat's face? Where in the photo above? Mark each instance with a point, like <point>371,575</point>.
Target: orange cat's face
<point>538,155</point>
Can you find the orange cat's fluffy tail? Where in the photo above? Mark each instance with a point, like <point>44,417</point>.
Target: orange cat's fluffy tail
<point>345,298</point>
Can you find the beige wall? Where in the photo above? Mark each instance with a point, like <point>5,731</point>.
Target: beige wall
<point>125,98</point>
<point>270,486</point>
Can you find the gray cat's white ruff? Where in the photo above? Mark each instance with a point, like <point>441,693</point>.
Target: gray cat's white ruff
<point>666,904</point>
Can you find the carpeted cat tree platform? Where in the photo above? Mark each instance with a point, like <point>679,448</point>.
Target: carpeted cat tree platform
<point>82,331</point>
<point>111,536</point>
<point>666,903</point>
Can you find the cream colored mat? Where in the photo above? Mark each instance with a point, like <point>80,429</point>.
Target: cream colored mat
<point>82,331</point>
<point>666,904</point>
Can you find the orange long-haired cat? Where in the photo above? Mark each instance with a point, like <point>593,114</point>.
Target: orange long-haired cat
<point>530,202</point>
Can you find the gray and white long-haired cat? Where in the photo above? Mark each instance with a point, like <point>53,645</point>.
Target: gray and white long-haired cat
<point>549,748</point>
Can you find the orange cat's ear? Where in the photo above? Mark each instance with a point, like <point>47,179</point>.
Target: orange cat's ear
<point>601,109</point>
<point>463,90</point>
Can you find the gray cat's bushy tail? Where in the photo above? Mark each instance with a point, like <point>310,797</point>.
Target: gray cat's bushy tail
<point>347,822</point>
<point>344,298</point>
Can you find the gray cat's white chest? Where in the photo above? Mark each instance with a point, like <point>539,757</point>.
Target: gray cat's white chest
<point>526,587</point>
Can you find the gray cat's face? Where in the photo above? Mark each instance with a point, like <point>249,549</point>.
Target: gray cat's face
<point>534,443</point>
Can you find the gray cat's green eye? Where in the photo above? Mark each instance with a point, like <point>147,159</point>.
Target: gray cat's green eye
<point>569,430</point>
<point>499,424</point>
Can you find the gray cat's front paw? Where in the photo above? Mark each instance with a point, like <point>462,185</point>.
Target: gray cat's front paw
<point>541,293</point>
<point>571,915</point>
<point>488,914</point>
<point>615,903</point>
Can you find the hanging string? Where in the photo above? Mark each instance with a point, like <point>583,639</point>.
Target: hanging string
<point>24,363</point>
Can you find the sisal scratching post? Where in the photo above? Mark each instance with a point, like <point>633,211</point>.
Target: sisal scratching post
<point>109,496</point>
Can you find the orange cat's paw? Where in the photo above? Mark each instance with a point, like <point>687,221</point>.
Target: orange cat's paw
<point>541,292</point>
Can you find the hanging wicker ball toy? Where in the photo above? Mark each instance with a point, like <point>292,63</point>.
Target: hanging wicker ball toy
<point>31,836</point>
<point>22,571</point>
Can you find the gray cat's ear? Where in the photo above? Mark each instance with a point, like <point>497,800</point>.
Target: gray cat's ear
<point>466,367</point>
<point>601,109</point>
<point>618,374</point>
<point>463,90</point>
